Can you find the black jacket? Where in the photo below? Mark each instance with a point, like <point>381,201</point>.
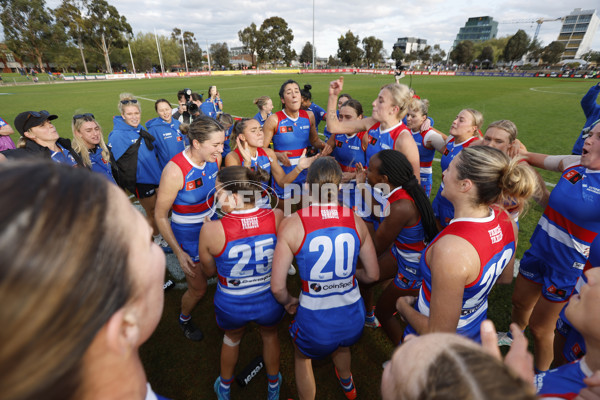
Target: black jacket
<point>34,150</point>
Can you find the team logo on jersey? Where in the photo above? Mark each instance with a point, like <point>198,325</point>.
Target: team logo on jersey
<point>576,349</point>
<point>191,185</point>
<point>446,151</point>
<point>496,234</point>
<point>286,129</point>
<point>316,287</point>
<point>372,140</point>
<point>573,176</point>
<point>179,138</point>
<point>557,292</point>
<point>403,279</point>
<point>338,143</point>
<point>234,282</point>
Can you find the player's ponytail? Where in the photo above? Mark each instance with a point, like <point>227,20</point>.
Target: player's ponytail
<point>498,179</point>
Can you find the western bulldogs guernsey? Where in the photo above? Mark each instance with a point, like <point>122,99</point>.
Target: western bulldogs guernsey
<point>407,248</point>
<point>378,140</point>
<point>193,202</point>
<point>264,162</point>
<point>565,231</point>
<point>493,238</point>
<point>348,152</point>
<point>292,137</point>
<point>244,264</point>
<point>425,158</point>
<point>442,208</point>
<point>564,382</point>
<point>331,312</point>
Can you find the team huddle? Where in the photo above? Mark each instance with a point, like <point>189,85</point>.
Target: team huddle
<point>255,200</point>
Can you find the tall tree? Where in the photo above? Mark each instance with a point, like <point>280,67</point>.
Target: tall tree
<point>425,54</point>
<point>463,52</point>
<point>145,53</point>
<point>438,55</point>
<point>516,47</point>
<point>251,38</point>
<point>193,52</point>
<point>348,50</point>
<point>277,38</point>
<point>373,48</point>
<point>100,25</point>
<point>306,56</point>
<point>535,50</point>
<point>552,52</point>
<point>398,55</point>
<point>219,54</point>
<point>29,28</point>
<point>487,53</point>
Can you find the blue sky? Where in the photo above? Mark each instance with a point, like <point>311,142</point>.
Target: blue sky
<point>437,21</point>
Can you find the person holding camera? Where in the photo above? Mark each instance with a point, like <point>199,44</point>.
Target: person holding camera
<point>189,106</point>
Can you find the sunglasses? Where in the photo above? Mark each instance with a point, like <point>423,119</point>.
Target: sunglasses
<point>86,115</point>
<point>35,114</point>
<point>586,131</point>
<point>134,101</point>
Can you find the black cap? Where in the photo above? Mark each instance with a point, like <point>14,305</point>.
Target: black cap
<point>29,119</point>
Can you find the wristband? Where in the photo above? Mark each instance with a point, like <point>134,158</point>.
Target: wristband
<point>299,169</point>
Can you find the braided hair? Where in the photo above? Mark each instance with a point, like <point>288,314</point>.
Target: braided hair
<point>399,172</point>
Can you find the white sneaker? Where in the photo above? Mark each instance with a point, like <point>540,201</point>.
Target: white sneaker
<point>292,270</point>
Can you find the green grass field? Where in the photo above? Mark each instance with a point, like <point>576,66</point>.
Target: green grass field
<point>546,111</point>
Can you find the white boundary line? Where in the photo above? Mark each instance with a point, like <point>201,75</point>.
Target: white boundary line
<point>536,89</point>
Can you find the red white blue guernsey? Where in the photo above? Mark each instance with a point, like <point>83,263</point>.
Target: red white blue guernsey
<point>378,140</point>
<point>348,152</point>
<point>570,222</point>
<point>244,263</point>
<point>263,161</point>
<point>564,382</point>
<point>407,248</point>
<point>425,158</point>
<point>331,312</point>
<point>442,208</point>
<point>194,201</point>
<point>493,238</point>
<point>291,136</point>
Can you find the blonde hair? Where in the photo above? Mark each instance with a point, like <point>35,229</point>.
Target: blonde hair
<point>261,102</point>
<point>458,369</point>
<point>401,97</point>
<point>477,119</point>
<point>53,304</point>
<point>420,105</point>
<point>80,146</point>
<point>498,178</point>
<point>125,97</point>
<point>507,126</point>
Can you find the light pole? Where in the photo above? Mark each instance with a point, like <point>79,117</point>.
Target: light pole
<point>313,42</point>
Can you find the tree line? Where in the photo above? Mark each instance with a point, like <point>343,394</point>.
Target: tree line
<point>79,33</point>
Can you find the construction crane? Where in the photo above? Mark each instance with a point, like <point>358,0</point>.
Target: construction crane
<point>538,21</point>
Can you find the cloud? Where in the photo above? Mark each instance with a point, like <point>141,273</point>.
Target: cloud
<point>437,21</point>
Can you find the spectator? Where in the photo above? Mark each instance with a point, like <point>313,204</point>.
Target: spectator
<point>40,139</point>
